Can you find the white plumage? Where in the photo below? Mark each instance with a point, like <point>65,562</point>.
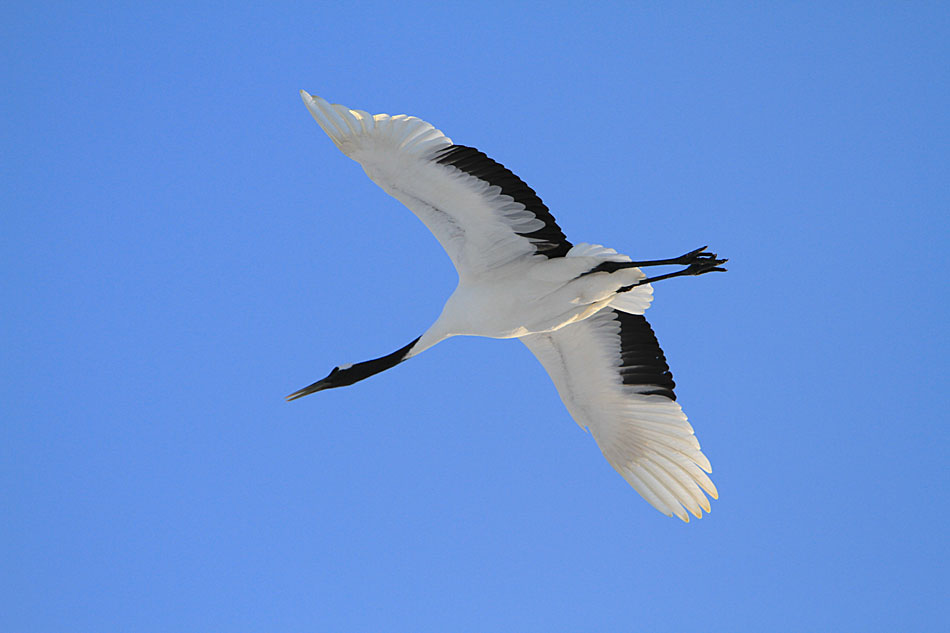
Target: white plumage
<point>576,307</point>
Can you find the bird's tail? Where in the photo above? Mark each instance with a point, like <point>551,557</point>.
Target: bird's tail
<point>634,301</point>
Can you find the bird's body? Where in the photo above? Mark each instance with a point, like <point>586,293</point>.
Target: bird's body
<point>578,308</point>
<point>530,296</point>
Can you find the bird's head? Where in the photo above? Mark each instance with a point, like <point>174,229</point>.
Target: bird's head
<point>349,373</point>
<point>340,376</point>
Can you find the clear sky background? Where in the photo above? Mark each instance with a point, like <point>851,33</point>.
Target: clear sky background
<point>181,246</point>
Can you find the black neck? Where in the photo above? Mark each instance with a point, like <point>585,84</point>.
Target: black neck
<point>362,371</point>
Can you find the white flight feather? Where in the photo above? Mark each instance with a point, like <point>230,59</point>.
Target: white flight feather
<point>477,226</point>
<point>645,437</point>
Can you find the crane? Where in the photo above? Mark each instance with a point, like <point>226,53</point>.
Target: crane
<point>577,307</point>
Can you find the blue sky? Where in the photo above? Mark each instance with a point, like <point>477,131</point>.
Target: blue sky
<point>181,247</point>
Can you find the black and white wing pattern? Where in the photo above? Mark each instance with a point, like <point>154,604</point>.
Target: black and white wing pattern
<point>483,215</point>
<point>613,378</point>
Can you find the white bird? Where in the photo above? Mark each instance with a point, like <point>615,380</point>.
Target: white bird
<point>578,308</point>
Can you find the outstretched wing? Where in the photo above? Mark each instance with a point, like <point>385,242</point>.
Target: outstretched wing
<point>483,215</point>
<point>612,375</point>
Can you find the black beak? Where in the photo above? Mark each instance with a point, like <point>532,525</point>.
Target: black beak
<point>320,385</point>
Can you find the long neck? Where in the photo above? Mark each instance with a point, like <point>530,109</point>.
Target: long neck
<point>349,374</point>
<point>362,371</point>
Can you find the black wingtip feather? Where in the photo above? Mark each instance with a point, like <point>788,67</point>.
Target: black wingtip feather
<point>642,360</point>
<point>549,240</point>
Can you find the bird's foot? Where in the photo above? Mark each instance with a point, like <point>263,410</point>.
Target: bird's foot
<point>698,262</point>
<point>701,263</point>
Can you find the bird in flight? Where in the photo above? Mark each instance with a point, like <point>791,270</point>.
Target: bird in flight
<point>578,307</point>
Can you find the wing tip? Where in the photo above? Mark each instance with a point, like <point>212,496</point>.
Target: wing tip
<point>352,130</point>
<point>667,493</point>
<point>327,117</point>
